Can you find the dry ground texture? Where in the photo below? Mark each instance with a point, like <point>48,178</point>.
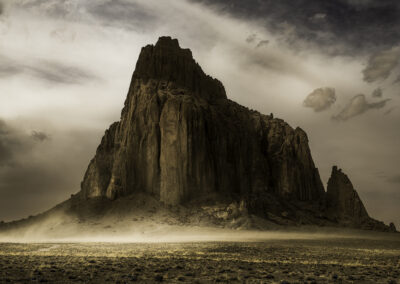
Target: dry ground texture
<point>322,260</point>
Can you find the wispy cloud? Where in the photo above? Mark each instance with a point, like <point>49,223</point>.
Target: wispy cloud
<point>381,64</point>
<point>48,71</point>
<point>125,14</point>
<point>357,106</point>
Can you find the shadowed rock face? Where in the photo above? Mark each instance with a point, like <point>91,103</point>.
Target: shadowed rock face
<point>344,206</point>
<point>342,200</point>
<point>180,139</point>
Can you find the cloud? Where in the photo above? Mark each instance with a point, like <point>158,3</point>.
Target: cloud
<point>12,144</point>
<point>39,136</point>
<point>60,9</point>
<point>394,179</point>
<point>381,64</point>
<point>35,175</point>
<point>357,106</point>
<point>56,72</point>
<point>262,43</point>
<point>9,70</point>
<point>320,99</point>
<point>16,143</point>
<point>359,2</point>
<point>49,71</point>
<point>318,18</point>
<point>253,38</point>
<point>389,111</point>
<point>397,81</point>
<point>377,93</point>
<point>125,14</point>
<point>324,24</point>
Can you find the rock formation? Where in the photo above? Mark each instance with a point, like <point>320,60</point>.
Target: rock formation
<point>342,200</point>
<point>392,227</point>
<point>181,146</point>
<point>180,139</point>
<point>344,206</point>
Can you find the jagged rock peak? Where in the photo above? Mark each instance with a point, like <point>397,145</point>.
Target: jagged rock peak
<point>167,61</point>
<point>343,201</point>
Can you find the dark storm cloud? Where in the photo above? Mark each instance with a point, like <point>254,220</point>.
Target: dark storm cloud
<point>364,3</point>
<point>339,26</point>
<point>381,64</point>
<point>318,18</point>
<point>320,99</point>
<point>49,71</point>
<point>357,106</point>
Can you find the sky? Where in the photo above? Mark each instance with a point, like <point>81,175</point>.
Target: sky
<point>330,67</point>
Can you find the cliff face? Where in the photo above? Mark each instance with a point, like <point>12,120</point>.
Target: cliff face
<point>180,139</point>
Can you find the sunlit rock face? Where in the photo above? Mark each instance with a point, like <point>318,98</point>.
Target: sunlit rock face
<point>180,139</point>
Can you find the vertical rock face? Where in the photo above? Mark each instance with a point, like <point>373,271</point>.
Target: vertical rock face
<point>180,139</point>
<point>342,200</point>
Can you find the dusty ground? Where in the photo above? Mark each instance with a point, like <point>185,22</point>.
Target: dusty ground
<point>338,260</point>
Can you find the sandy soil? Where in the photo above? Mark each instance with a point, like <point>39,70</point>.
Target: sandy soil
<point>338,260</point>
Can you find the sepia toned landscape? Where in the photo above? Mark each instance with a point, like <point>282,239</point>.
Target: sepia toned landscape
<point>199,141</point>
<point>302,259</point>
